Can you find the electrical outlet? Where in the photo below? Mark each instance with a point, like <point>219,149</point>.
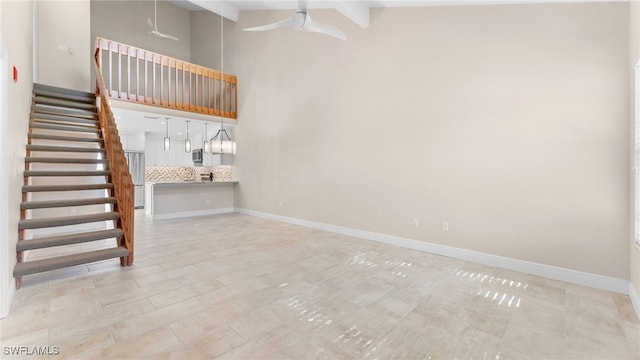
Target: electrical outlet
<point>207,201</point>
<point>280,203</point>
<point>415,221</point>
<point>445,226</point>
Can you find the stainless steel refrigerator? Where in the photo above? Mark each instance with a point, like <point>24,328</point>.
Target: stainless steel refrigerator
<point>136,167</point>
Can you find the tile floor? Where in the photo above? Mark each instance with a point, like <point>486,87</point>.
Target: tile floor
<point>238,287</point>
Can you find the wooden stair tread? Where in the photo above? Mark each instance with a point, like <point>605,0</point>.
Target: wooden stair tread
<point>63,91</point>
<point>65,103</point>
<point>32,267</point>
<point>64,138</point>
<point>60,240</point>
<point>66,220</point>
<point>48,109</point>
<point>66,202</point>
<point>28,173</point>
<point>63,119</point>
<point>38,188</point>
<point>49,160</point>
<point>73,128</point>
<point>53,148</point>
<point>39,94</point>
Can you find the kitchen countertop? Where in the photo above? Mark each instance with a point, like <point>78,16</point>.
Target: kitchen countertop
<point>192,183</point>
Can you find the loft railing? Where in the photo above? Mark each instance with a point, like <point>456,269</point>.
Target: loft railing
<point>120,176</point>
<point>141,76</point>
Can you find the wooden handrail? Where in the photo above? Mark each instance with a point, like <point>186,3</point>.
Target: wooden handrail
<point>159,80</point>
<point>120,175</point>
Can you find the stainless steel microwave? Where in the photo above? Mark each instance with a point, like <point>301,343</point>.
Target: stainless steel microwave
<point>197,156</point>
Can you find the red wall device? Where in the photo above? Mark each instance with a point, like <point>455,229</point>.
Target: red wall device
<point>15,74</point>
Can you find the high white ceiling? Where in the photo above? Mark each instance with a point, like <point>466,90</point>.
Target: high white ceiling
<point>355,10</point>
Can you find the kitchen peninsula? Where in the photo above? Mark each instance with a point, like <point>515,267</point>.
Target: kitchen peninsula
<point>177,192</point>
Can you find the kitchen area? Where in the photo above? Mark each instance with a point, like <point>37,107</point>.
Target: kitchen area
<point>176,163</point>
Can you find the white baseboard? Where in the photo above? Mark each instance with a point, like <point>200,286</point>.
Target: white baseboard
<point>184,214</point>
<point>635,299</point>
<point>607,283</point>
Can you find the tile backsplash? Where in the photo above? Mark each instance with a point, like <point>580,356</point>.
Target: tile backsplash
<point>183,173</point>
<point>220,172</point>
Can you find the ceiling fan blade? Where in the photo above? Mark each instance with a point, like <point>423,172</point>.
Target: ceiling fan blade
<point>286,22</point>
<point>326,29</point>
<point>167,36</point>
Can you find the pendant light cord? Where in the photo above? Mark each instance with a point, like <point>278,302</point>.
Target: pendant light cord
<point>222,71</point>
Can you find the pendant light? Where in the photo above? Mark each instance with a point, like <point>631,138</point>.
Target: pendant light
<point>206,142</point>
<point>167,140</point>
<point>222,143</point>
<point>187,142</point>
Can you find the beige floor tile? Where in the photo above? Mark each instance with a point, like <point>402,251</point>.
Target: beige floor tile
<point>270,346</point>
<point>145,346</point>
<point>184,293</point>
<point>632,333</point>
<point>249,288</point>
<point>520,340</point>
<point>597,343</point>
<point>140,292</point>
<point>541,316</point>
<point>196,326</point>
<point>210,345</point>
<point>258,323</point>
<point>72,343</point>
<point>25,318</point>
<point>464,342</point>
<point>148,321</point>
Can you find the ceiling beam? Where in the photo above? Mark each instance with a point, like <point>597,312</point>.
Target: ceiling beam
<point>356,11</point>
<point>221,8</point>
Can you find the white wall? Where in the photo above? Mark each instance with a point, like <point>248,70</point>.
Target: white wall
<point>508,122</point>
<point>64,44</point>
<point>205,32</point>
<point>126,21</point>
<point>16,29</point>
<point>634,52</point>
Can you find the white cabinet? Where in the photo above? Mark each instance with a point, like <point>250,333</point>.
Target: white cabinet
<point>136,142</point>
<point>178,156</point>
<point>155,155</point>
<point>133,142</point>
<point>217,159</point>
<point>150,151</point>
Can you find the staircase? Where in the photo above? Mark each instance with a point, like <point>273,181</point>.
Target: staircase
<point>69,213</point>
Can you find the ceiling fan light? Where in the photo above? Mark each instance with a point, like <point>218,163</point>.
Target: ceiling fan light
<point>223,147</point>
<point>222,143</point>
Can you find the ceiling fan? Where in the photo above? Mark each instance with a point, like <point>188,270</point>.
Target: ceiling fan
<point>301,21</point>
<point>154,25</point>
